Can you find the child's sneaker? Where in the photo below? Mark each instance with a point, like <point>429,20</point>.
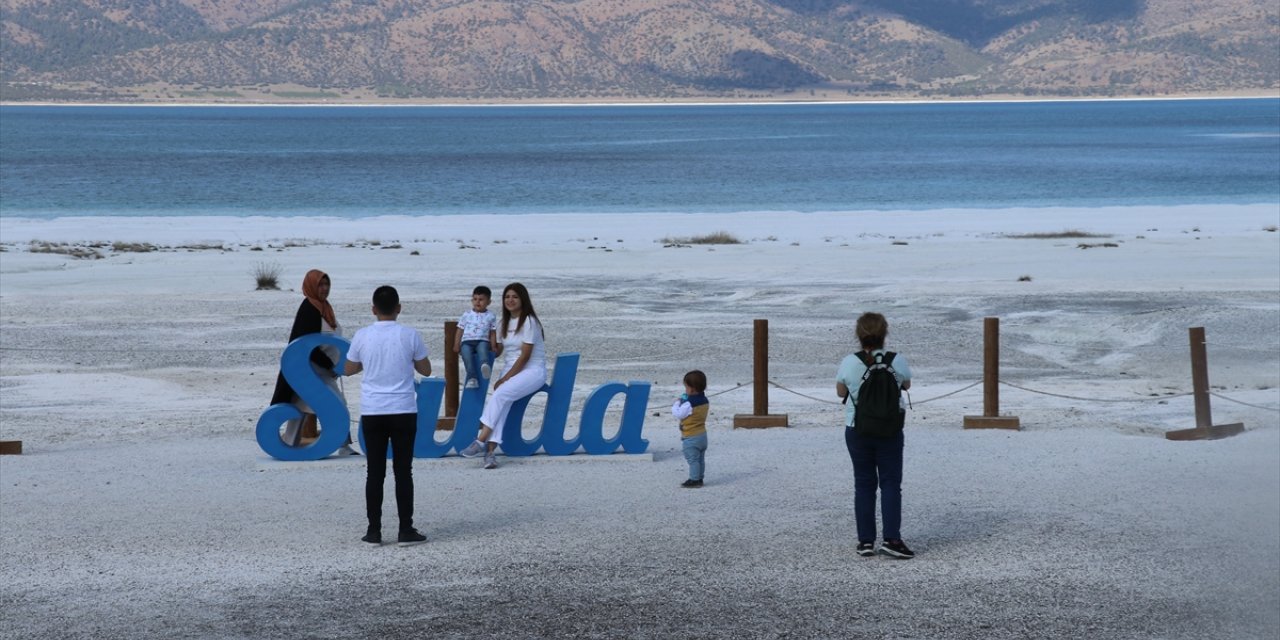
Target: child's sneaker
<point>691,484</point>
<point>474,449</point>
<point>485,370</point>
<point>472,384</point>
<point>490,461</point>
<point>866,549</point>
<point>897,549</point>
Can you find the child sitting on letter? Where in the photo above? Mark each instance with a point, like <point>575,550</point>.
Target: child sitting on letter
<point>691,410</point>
<point>476,336</point>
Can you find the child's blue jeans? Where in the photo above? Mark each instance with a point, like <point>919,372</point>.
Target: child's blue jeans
<point>474,353</point>
<point>695,451</point>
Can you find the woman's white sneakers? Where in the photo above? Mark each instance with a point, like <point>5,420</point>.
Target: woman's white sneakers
<point>474,449</point>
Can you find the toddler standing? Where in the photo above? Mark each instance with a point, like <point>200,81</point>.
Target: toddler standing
<point>691,410</point>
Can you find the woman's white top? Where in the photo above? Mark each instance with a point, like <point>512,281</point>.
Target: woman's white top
<point>530,333</point>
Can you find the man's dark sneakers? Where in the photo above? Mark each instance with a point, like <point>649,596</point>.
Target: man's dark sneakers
<point>866,549</point>
<point>897,549</point>
<point>410,537</point>
<point>691,484</point>
<point>373,536</point>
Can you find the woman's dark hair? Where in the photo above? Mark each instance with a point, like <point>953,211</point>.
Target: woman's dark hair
<point>526,308</point>
<point>871,330</point>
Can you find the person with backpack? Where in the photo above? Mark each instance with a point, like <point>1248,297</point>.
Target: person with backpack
<point>871,382</point>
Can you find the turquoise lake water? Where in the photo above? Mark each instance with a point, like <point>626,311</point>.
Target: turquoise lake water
<point>365,161</point>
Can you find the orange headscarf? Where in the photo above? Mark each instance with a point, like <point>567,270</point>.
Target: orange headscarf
<point>311,289</point>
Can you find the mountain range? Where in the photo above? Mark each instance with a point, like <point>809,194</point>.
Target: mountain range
<point>498,50</point>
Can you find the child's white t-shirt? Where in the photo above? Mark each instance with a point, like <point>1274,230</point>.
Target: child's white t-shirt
<point>476,325</point>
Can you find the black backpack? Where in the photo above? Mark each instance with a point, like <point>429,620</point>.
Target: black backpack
<point>878,412</point>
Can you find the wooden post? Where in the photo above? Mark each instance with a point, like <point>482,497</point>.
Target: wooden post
<point>991,418</point>
<point>10,447</point>
<point>760,417</point>
<point>1204,429</point>
<point>450,379</point>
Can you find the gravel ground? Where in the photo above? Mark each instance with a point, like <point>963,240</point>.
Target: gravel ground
<point>142,507</point>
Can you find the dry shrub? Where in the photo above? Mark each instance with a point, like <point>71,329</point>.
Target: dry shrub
<point>719,237</point>
<point>62,248</point>
<point>1055,235</point>
<point>132,247</point>
<point>267,275</point>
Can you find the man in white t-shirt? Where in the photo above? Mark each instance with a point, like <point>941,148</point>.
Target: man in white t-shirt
<point>388,353</point>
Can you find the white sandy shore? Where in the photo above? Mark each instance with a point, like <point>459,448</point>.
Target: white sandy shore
<point>143,508</point>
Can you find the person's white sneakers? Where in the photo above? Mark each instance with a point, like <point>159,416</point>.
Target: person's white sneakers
<point>472,384</point>
<point>485,370</point>
<point>472,450</point>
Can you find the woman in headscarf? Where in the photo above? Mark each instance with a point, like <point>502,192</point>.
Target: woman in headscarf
<point>315,315</point>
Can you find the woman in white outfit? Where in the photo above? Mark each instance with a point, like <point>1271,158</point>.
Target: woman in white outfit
<point>524,370</point>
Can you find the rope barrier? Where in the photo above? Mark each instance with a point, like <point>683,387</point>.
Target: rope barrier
<point>791,391</point>
<point>1060,395</point>
<point>965,388</point>
<point>1255,406</point>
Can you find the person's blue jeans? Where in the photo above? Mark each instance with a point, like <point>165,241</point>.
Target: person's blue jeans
<point>695,451</point>
<point>877,462</point>
<point>474,353</point>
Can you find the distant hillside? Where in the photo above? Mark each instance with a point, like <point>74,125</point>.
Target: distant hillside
<point>630,49</point>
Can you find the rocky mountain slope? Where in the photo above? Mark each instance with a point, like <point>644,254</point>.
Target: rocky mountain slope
<point>636,49</point>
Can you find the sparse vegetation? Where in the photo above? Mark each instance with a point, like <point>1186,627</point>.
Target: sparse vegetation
<point>267,275</point>
<point>1024,279</point>
<point>1085,245</point>
<point>718,237</point>
<point>1271,227</point>
<point>1055,235</point>
<point>62,248</point>
<point>133,247</point>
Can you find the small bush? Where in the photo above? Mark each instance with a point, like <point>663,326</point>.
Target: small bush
<point>719,237</point>
<point>132,247</point>
<point>1084,245</point>
<point>1055,235</point>
<point>62,248</point>
<point>1271,227</point>
<point>267,275</point>
<point>1024,279</point>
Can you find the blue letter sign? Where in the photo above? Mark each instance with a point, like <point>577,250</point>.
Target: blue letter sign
<point>335,420</point>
